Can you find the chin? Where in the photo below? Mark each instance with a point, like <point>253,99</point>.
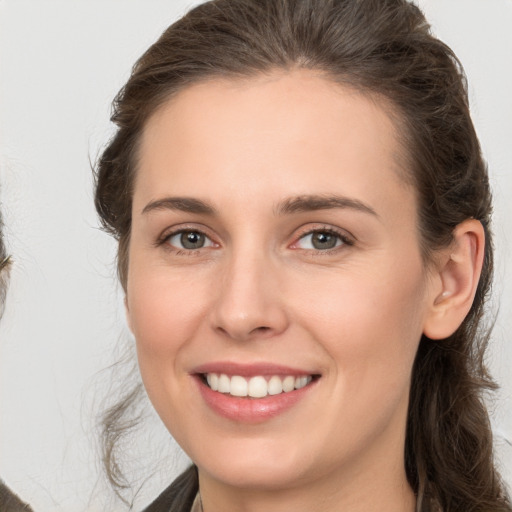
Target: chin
<point>265,467</point>
<point>269,476</point>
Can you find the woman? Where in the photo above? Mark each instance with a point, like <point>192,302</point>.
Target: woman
<point>303,216</point>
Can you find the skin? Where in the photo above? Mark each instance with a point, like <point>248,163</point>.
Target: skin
<point>259,292</point>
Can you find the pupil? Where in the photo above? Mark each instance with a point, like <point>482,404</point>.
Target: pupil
<point>324,241</point>
<point>192,240</point>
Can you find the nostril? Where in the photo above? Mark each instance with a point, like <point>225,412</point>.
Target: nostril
<point>261,329</point>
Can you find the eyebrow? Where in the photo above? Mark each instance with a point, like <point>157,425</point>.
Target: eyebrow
<point>306,203</point>
<point>298,204</point>
<point>184,204</point>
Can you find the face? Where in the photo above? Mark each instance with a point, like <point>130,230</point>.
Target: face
<point>274,253</point>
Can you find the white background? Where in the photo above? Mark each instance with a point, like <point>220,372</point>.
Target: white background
<point>61,63</point>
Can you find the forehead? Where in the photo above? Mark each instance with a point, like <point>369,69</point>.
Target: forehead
<point>289,129</point>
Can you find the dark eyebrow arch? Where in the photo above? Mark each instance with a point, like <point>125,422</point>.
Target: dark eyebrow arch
<point>184,204</point>
<point>306,203</point>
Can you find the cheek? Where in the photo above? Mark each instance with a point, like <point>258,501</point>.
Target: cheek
<point>164,313</point>
<point>369,324</point>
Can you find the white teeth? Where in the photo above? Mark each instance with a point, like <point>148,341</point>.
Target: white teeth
<point>275,385</point>
<point>224,384</point>
<point>300,382</point>
<point>238,386</point>
<point>213,381</point>
<point>255,387</point>
<point>258,387</point>
<point>288,384</point>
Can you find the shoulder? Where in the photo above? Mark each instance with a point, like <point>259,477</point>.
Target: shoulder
<point>9,502</point>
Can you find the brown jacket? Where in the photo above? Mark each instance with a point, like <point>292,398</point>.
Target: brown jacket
<point>9,502</point>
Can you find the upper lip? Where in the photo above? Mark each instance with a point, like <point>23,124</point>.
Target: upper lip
<point>249,370</point>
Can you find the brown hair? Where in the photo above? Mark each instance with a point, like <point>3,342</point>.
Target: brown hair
<point>383,48</point>
<point>5,268</point>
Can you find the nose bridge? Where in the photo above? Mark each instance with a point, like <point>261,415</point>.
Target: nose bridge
<point>248,303</point>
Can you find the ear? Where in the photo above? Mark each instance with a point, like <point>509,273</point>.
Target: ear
<point>455,280</point>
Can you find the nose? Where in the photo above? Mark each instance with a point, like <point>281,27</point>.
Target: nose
<point>249,303</point>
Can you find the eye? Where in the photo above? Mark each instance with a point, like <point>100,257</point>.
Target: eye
<point>189,240</point>
<point>321,240</point>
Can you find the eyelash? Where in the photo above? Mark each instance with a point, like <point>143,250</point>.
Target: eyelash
<point>163,241</point>
<point>343,237</point>
<point>346,241</point>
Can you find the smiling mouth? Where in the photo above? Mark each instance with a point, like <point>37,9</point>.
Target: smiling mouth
<point>258,386</point>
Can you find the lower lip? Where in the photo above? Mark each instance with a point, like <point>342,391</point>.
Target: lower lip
<point>251,410</point>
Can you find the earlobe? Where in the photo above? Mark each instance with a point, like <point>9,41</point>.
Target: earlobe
<point>457,278</point>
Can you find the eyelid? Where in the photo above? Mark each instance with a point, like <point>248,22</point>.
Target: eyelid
<point>347,238</point>
<point>171,231</point>
<point>208,241</point>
